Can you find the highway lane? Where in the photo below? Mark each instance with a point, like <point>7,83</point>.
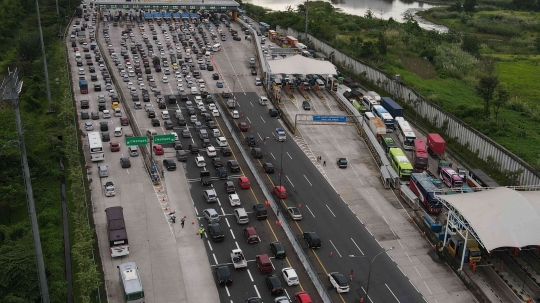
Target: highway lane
<point>343,233</point>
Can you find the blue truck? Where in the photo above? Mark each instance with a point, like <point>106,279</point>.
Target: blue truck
<point>83,85</point>
<point>392,107</point>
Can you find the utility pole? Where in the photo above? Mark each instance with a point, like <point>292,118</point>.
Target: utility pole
<point>10,88</point>
<point>44,58</point>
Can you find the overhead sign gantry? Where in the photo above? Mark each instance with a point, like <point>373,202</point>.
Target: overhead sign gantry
<point>224,5</point>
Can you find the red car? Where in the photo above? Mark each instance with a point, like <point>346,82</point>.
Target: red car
<point>158,150</point>
<point>115,146</point>
<point>244,183</point>
<point>281,192</point>
<point>124,121</point>
<point>251,235</point>
<point>302,297</point>
<point>243,126</point>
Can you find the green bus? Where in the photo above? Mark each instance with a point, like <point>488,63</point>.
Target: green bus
<point>131,282</point>
<point>400,163</point>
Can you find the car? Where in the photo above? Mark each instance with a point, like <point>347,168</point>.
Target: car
<point>290,276</point>
<point>211,215</point>
<point>312,239</point>
<point>88,126</point>
<point>165,115</point>
<point>226,95</point>
<point>105,137</point>
<point>186,133</point>
<point>273,112</point>
<point>169,164</point>
<point>217,162</point>
<point>221,141</point>
<point>124,121</point>
<point>106,114</point>
<point>216,232</point>
<point>215,113</point>
<point>176,138</point>
<point>258,81</point>
<point>339,281</point>
<point>257,153</point>
<point>219,84</point>
<point>155,122</point>
<point>150,113</point>
<point>243,126</point>
<point>215,76</point>
<point>223,274</point>
<point>226,151</point>
<point>95,116</point>
<point>125,163</point>
<point>278,250</point>
<point>115,146</point>
<point>244,183</point>
<point>295,213</point>
<point>85,104</point>
<point>229,187</point>
<point>178,145</point>
<point>281,299</point>
<point>273,284</point>
<point>251,235</point>
<point>158,150</point>
<point>280,192</point>
<point>236,38</point>
<point>254,300</point>
<point>222,173</point>
<point>342,163</point>
<point>260,211</point>
<point>210,196</point>
<point>211,124</point>
<point>200,161</point>
<point>306,105</point>
<point>302,297</point>
<point>234,199</point>
<point>233,166</point>
<point>250,141</point>
<point>103,126</point>
<point>268,168</point>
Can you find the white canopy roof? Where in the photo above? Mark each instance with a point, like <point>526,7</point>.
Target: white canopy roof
<point>301,65</point>
<point>501,217</point>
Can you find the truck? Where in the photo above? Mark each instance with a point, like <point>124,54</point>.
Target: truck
<point>436,145</point>
<point>156,61</point>
<point>374,95</point>
<point>206,179</point>
<point>377,126</point>
<point>78,12</point>
<point>387,142</point>
<point>83,86</point>
<point>231,103</point>
<point>109,189</point>
<point>238,259</point>
<point>426,191</point>
<point>472,252</point>
<point>385,117</point>
<point>392,107</point>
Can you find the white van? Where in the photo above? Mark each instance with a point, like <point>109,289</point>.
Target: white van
<point>207,54</point>
<point>241,216</point>
<point>151,133</point>
<point>118,132</point>
<point>263,100</point>
<point>216,47</point>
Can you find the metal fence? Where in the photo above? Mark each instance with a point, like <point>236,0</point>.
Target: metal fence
<point>450,125</point>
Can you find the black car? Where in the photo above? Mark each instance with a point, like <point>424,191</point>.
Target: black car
<point>104,126</point>
<point>226,151</point>
<point>305,105</point>
<point>182,121</point>
<point>93,78</point>
<point>312,239</point>
<point>256,153</point>
<point>222,173</point>
<point>85,104</point>
<point>178,145</point>
<point>155,122</point>
<point>273,112</point>
<point>206,143</point>
<point>250,141</point>
<point>211,124</point>
<point>229,187</point>
<point>194,148</point>
<point>226,95</point>
<point>210,68</point>
<point>268,168</point>
<point>223,274</point>
<point>169,164</point>
<point>95,116</point>
<point>105,137</point>
<point>135,98</point>
<point>161,105</point>
<point>254,300</point>
<point>191,111</point>
<point>151,113</point>
<point>217,162</point>
<point>260,211</point>
<point>278,250</point>
<point>125,163</point>
<point>274,285</point>
<point>216,232</point>
<point>215,76</point>
<point>233,166</point>
<point>184,97</point>
<point>236,38</point>
<point>84,115</point>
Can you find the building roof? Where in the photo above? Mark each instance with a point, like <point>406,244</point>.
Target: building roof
<point>299,64</point>
<point>501,217</point>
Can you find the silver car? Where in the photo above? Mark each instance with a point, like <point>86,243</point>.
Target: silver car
<point>211,215</point>
<point>88,126</point>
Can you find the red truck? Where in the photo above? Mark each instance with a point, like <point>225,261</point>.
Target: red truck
<point>436,145</point>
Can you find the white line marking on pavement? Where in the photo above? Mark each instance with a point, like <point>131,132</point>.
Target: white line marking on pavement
<point>228,293</point>
<point>408,256</point>
<point>357,246</point>
<point>259,136</point>
<point>392,292</point>
<point>401,245</point>
<point>330,210</point>
<point>237,246</point>
<point>310,211</point>
<point>427,287</point>
<point>271,154</point>
<point>248,119</point>
<point>227,221</point>
<point>215,259</point>
<point>232,234</point>
<point>263,119</point>
<point>289,181</point>
<point>417,271</point>
<point>308,180</point>
<point>257,291</point>
<point>287,293</point>
<point>211,248</point>
<point>335,247</point>
<point>288,155</point>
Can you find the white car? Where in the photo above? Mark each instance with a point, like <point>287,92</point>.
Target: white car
<point>88,126</point>
<point>175,136</point>
<point>106,113</point>
<point>234,199</point>
<point>212,106</point>
<point>215,113</point>
<point>221,141</point>
<point>339,281</point>
<point>81,71</point>
<point>165,79</point>
<point>198,100</point>
<point>235,114</point>
<point>193,118</point>
<point>165,115</point>
<point>211,151</point>
<point>290,276</point>
<point>200,161</point>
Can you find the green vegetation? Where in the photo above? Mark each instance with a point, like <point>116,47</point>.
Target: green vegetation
<point>484,69</point>
<point>48,138</point>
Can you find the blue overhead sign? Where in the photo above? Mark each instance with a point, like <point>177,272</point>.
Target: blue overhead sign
<point>147,16</point>
<point>185,16</point>
<point>330,118</point>
<point>167,15</point>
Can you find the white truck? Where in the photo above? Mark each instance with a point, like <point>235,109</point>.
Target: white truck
<point>238,259</point>
<point>377,126</point>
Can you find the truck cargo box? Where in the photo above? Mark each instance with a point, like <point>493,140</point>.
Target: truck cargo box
<point>435,144</point>
<point>392,107</point>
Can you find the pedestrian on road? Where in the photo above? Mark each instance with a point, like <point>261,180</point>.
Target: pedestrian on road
<point>162,174</point>
<point>264,140</point>
<point>201,231</point>
<point>352,274</point>
<point>324,163</point>
<point>182,222</point>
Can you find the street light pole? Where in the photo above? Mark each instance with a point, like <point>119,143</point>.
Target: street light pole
<point>370,262</point>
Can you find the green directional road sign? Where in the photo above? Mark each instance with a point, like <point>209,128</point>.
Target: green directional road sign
<point>161,139</point>
<point>132,141</point>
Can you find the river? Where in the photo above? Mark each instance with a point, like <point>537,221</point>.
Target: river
<point>385,9</point>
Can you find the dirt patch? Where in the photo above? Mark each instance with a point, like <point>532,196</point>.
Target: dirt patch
<point>421,67</point>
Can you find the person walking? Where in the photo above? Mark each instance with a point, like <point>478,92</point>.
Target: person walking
<point>352,274</point>
<point>264,140</point>
<point>324,163</point>
<point>182,221</point>
<point>201,231</point>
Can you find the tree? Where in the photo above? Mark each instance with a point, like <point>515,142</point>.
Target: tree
<point>468,5</point>
<point>368,49</point>
<point>501,98</point>
<point>471,44</point>
<point>485,88</point>
<point>381,44</point>
<point>369,14</point>
<point>28,47</point>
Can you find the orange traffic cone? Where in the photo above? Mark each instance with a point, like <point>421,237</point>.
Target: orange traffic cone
<point>361,299</point>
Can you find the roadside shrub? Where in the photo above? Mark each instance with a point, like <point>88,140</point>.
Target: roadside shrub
<point>517,105</point>
<point>452,61</point>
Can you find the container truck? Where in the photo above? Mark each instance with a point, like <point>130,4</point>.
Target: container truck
<point>392,107</point>
<point>83,85</point>
<point>426,191</point>
<point>377,127</point>
<point>292,40</point>
<point>436,145</point>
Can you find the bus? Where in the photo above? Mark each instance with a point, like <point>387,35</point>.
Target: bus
<point>420,156</point>
<point>482,178</point>
<point>131,282</point>
<point>116,230</point>
<point>450,177</point>
<point>385,116</point>
<point>96,147</point>
<point>405,133</point>
<point>369,102</point>
<point>400,163</point>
